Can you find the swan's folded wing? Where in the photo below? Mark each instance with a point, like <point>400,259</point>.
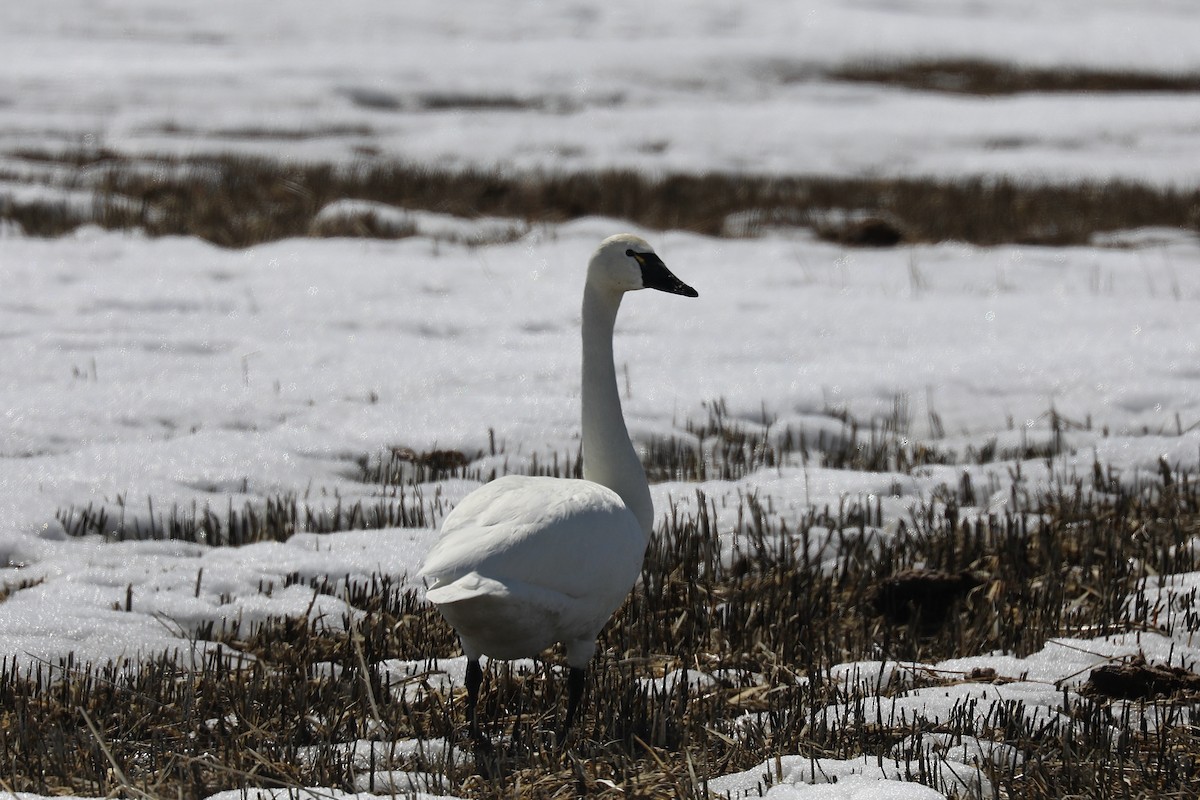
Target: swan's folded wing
<point>466,587</point>
<point>474,586</point>
<point>568,536</point>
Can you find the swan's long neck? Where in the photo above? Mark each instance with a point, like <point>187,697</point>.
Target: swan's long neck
<point>608,455</point>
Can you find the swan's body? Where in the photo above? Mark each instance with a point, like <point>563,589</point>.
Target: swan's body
<point>523,563</point>
<point>520,566</point>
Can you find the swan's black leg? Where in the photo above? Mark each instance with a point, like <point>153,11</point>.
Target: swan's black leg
<point>474,680</point>
<point>575,681</point>
<point>515,740</point>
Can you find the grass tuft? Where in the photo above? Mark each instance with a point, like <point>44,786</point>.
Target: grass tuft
<point>396,506</point>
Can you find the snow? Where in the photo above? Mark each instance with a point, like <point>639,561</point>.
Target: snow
<point>675,86</point>
<point>199,377</point>
<point>800,778</point>
<point>175,370</point>
<point>171,371</point>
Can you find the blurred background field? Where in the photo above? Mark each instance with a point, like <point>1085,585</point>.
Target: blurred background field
<point>279,285</point>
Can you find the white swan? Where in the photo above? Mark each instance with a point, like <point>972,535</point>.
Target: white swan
<point>523,562</point>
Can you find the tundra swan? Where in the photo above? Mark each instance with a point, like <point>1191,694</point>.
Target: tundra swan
<point>524,562</point>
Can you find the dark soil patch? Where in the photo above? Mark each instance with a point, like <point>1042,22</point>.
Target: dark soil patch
<point>922,596</point>
<point>1137,680</point>
<point>867,231</point>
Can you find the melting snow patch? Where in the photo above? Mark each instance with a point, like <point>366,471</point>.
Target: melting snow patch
<point>806,778</point>
<point>342,215</point>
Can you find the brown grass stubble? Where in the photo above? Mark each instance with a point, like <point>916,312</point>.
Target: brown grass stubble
<point>769,615</point>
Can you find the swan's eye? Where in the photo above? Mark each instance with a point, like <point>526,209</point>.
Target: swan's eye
<point>639,257</point>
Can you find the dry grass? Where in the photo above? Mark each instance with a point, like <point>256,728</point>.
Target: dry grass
<point>719,447</point>
<point>274,521</point>
<point>237,201</point>
<point>800,595</point>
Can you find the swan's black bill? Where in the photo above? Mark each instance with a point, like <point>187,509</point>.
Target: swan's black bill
<point>655,275</point>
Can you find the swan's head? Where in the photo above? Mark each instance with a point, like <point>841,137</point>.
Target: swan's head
<point>624,263</point>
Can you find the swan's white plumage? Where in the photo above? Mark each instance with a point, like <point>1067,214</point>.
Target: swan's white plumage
<point>523,563</point>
